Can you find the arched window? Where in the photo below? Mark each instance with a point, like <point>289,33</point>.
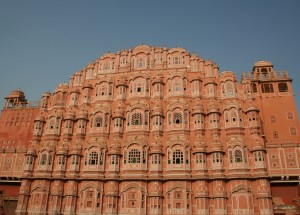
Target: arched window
<point>52,123</point>
<point>58,98</point>
<point>233,115</point>
<point>123,60</point>
<point>43,159</point>
<point>136,119</point>
<point>134,156</point>
<point>230,88</point>
<point>140,63</point>
<point>93,158</point>
<point>106,65</point>
<point>98,122</point>
<point>103,89</point>
<point>177,118</point>
<point>139,86</point>
<point>176,60</point>
<point>176,86</point>
<point>238,156</point>
<point>177,157</point>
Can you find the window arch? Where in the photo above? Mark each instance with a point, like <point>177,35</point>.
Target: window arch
<point>90,199</point>
<point>98,122</point>
<point>139,86</point>
<point>93,158</point>
<point>133,199</point>
<point>106,65</point>
<point>177,118</point>
<point>136,119</point>
<point>176,60</point>
<point>134,156</point>
<point>140,63</point>
<point>177,157</point>
<point>230,88</point>
<point>43,160</point>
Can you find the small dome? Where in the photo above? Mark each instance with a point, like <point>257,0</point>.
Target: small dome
<point>263,63</point>
<point>62,86</point>
<point>46,94</point>
<point>18,93</point>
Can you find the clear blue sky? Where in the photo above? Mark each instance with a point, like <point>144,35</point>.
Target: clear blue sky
<point>42,43</point>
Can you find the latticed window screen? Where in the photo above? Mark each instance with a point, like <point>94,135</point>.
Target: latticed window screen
<point>177,157</point>
<point>136,119</point>
<point>93,158</point>
<point>134,156</point>
<point>177,118</point>
<point>98,122</point>
<point>238,156</point>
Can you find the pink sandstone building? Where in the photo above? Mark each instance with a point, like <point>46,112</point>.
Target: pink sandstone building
<point>153,130</point>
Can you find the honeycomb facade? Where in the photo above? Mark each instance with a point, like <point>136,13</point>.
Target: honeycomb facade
<point>153,130</point>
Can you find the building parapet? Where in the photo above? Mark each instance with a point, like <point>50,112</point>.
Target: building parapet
<point>264,77</point>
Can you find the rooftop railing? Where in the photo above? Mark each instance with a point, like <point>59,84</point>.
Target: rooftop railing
<point>270,76</point>
<point>21,105</point>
